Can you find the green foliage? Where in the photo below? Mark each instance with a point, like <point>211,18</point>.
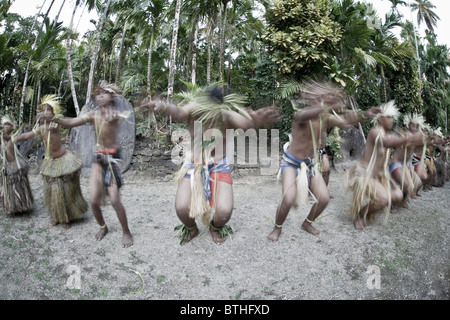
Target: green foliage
<point>404,84</point>
<point>435,100</point>
<point>301,35</point>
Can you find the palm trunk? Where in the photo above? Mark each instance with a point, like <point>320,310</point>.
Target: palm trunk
<point>208,63</point>
<point>122,42</point>
<point>173,51</point>
<point>383,84</point>
<point>69,63</point>
<point>96,50</point>
<point>59,12</point>
<point>222,23</point>
<point>149,67</point>
<point>194,52</point>
<point>415,41</point>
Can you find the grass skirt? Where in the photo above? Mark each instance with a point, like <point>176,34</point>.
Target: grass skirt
<point>16,195</point>
<point>62,191</point>
<point>361,182</point>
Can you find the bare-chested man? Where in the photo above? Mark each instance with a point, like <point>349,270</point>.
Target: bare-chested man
<point>16,195</point>
<point>323,101</point>
<point>369,179</point>
<point>105,172</point>
<point>60,168</point>
<point>419,158</point>
<point>401,167</point>
<point>205,178</point>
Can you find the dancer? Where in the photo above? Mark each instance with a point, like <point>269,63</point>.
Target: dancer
<point>400,165</point>
<point>16,195</point>
<point>369,179</point>
<point>204,180</point>
<point>299,172</point>
<point>106,171</point>
<point>60,168</point>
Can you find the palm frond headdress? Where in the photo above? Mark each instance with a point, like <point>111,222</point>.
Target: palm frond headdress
<point>53,101</point>
<point>210,104</point>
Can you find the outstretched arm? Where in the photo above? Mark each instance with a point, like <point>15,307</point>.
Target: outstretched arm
<point>169,109</point>
<point>75,122</point>
<point>308,113</point>
<point>353,117</point>
<point>24,136</point>
<point>264,117</point>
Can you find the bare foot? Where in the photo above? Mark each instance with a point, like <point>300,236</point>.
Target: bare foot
<point>359,224</point>
<point>191,235</point>
<point>102,233</point>
<point>66,226</point>
<point>54,223</point>
<point>186,234</point>
<point>127,240</point>
<point>307,226</point>
<point>216,237</point>
<point>275,234</point>
<point>394,210</point>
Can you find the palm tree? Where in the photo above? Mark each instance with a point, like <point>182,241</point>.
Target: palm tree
<point>68,58</point>
<point>96,49</point>
<point>173,50</point>
<point>425,13</point>
<point>395,3</point>
<point>25,80</point>
<point>45,57</point>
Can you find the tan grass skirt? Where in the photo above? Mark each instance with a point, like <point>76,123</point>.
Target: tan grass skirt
<point>62,191</point>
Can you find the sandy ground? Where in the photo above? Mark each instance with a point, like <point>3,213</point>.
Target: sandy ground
<point>406,259</point>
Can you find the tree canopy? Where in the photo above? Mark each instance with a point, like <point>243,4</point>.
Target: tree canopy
<point>262,49</point>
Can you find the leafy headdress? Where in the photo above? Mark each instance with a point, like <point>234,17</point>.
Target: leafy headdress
<point>53,101</point>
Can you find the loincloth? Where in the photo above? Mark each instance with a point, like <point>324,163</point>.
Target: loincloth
<point>110,161</point>
<point>304,175</point>
<point>204,179</point>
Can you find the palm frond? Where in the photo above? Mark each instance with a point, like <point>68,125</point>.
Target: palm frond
<point>207,109</point>
<point>288,88</point>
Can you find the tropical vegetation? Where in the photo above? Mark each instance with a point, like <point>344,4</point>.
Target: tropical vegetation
<point>156,49</point>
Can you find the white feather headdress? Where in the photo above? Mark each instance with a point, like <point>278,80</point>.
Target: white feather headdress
<point>388,110</point>
<point>414,118</point>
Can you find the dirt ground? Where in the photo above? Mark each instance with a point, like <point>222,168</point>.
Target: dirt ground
<point>406,259</point>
